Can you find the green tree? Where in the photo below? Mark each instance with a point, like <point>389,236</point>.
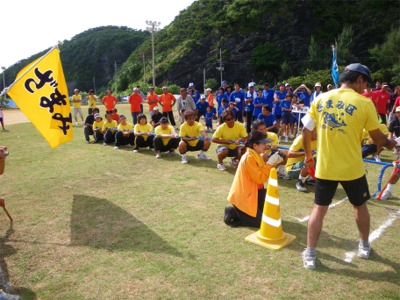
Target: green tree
<point>345,45</point>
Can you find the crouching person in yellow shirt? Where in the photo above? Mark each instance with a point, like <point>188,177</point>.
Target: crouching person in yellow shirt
<point>166,138</point>
<point>109,129</point>
<point>97,128</point>
<point>124,135</point>
<point>247,193</point>
<point>193,137</point>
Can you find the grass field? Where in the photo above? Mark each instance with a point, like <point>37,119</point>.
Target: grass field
<point>94,223</point>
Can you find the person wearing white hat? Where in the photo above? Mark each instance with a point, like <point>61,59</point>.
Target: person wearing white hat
<point>317,91</point>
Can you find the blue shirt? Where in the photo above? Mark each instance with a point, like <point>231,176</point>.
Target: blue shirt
<point>269,120</point>
<point>305,97</point>
<point>221,109</point>
<point>277,107</point>
<point>238,98</point>
<point>208,117</point>
<point>258,110</point>
<point>202,107</point>
<point>286,104</point>
<point>268,96</point>
<point>250,106</point>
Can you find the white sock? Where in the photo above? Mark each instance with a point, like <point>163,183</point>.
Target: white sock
<point>390,187</point>
<point>302,178</point>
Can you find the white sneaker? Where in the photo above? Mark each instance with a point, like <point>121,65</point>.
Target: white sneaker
<point>377,158</point>
<point>286,139</point>
<point>291,136</point>
<point>135,150</point>
<point>76,123</point>
<point>158,155</point>
<point>203,156</point>
<point>364,252</point>
<point>386,194</point>
<point>309,262</point>
<point>116,148</point>
<point>221,167</point>
<point>104,144</point>
<point>184,159</point>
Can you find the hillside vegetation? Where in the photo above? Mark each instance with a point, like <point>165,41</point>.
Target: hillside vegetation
<point>259,40</point>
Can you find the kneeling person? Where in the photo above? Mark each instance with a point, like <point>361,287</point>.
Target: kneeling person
<point>193,137</point>
<point>166,138</point>
<point>229,135</point>
<point>143,133</point>
<point>124,135</point>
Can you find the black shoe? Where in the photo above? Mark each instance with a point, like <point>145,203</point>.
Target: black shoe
<point>231,218</point>
<point>300,186</point>
<point>310,182</point>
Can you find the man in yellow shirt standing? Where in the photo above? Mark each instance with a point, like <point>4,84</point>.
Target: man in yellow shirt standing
<point>339,117</point>
<point>76,100</point>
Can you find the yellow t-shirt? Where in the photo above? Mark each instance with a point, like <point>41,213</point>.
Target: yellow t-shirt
<point>77,104</point>
<point>275,141</point>
<point>143,128</point>
<point>113,124</point>
<point>192,131</point>
<point>223,132</point>
<point>365,136</point>
<point>127,127</point>
<point>98,125</point>
<point>91,101</point>
<point>168,130</point>
<point>297,146</point>
<point>340,116</point>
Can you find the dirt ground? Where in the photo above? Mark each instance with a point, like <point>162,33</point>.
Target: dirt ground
<point>14,116</point>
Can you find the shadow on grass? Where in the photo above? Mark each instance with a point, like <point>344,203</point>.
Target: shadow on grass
<point>386,275</point>
<point>6,286</point>
<point>98,223</point>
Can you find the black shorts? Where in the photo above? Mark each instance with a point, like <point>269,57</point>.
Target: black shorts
<point>199,146</point>
<point>356,190</point>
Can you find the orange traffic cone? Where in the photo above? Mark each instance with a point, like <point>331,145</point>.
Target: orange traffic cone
<point>271,234</point>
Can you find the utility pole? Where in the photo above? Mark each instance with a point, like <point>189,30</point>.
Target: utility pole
<point>152,28</point>
<point>220,68</point>
<point>204,80</point>
<point>144,69</point>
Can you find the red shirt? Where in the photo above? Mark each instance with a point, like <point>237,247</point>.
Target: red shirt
<point>381,100</point>
<point>109,101</point>
<point>150,98</point>
<point>166,100</point>
<point>371,95</point>
<point>135,101</point>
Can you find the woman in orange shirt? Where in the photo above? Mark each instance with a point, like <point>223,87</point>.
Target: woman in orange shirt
<point>247,193</point>
<point>167,101</point>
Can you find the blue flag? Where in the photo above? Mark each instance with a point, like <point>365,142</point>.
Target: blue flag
<point>335,68</point>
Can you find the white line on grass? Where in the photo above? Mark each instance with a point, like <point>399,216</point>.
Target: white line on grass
<point>305,219</point>
<point>375,234</point>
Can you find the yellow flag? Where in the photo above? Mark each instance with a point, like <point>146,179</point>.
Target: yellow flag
<point>41,93</point>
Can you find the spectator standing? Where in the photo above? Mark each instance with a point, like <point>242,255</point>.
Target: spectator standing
<point>268,94</point>
<point>382,99</point>
<point>76,100</point>
<point>152,100</point>
<point>109,101</point>
<point>167,101</point>
<point>195,93</point>
<point>91,98</point>
<point>251,94</point>
<point>201,107</point>
<point>303,93</point>
<point>135,99</point>
<point>237,98</point>
<point>317,91</point>
<point>183,103</point>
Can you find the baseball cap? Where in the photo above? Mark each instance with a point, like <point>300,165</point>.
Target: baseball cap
<point>155,108</point>
<point>224,82</point>
<point>208,89</point>
<point>397,109</point>
<point>122,117</point>
<point>359,68</point>
<point>97,116</point>
<point>287,84</point>
<point>203,97</point>
<point>191,84</point>
<point>163,120</point>
<point>385,85</point>
<point>76,90</point>
<point>251,84</point>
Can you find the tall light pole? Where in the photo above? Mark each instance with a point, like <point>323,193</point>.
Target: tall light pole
<point>152,28</point>
<point>4,80</point>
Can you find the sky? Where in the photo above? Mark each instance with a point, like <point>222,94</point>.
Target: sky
<point>28,27</point>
